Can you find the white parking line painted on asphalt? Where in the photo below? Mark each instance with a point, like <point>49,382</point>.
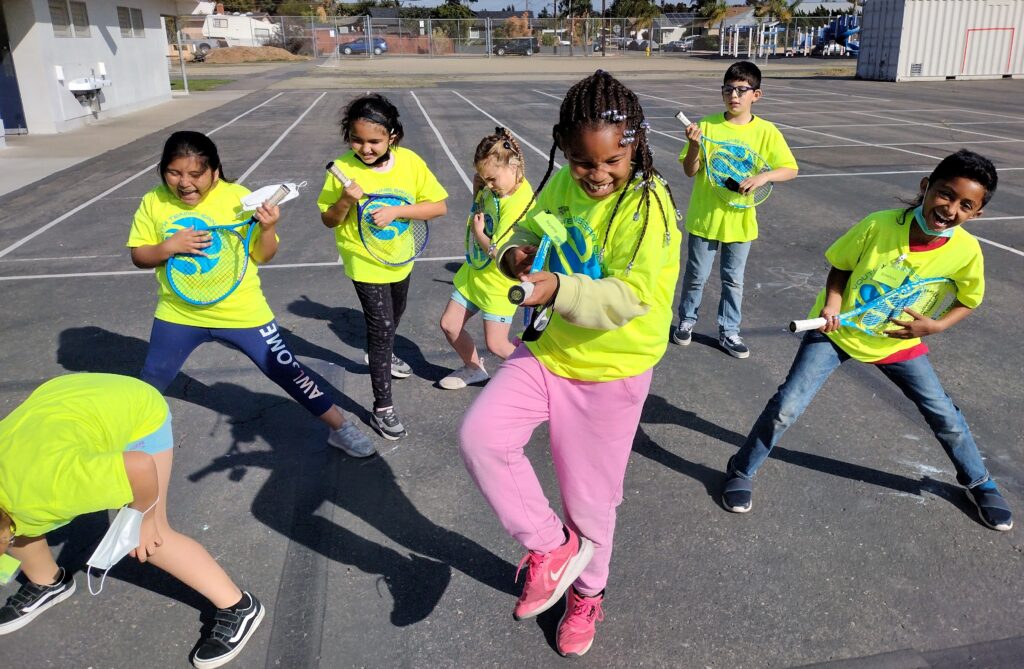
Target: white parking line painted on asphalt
<point>63,217</point>
<point>279,139</point>
<point>505,125</point>
<point>458,168</point>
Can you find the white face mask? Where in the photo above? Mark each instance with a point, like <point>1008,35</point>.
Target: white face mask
<point>122,538</point>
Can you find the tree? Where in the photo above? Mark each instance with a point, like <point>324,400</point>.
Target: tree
<point>715,11</point>
<point>780,9</point>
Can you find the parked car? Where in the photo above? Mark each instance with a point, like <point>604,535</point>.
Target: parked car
<point>360,46</point>
<point>678,45</point>
<point>520,46</point>
<point>641,45</point>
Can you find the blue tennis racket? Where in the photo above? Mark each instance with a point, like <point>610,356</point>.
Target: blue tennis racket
<point>929,297</point>
<point>209,277</point>
<point>729,163</point>
<point>487,203</point>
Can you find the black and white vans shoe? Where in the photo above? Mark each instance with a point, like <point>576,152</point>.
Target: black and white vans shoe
<point>232,628</point>
<point>30,600</point>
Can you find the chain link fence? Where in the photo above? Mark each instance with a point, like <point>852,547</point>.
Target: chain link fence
<point>672,35</point>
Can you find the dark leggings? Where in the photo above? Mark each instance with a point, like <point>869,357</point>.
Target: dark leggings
<point>383,306</point>
<point>170,344</point>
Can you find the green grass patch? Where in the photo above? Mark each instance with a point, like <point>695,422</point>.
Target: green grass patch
<point>199,84</point>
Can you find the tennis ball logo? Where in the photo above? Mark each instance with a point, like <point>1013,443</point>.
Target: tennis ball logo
<point>189,263</point>
<point>388,232</point>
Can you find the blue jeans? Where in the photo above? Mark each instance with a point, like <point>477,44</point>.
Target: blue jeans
<point>815,361</point>
<point>700,256</point>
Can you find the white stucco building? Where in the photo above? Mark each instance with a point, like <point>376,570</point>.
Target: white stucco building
<point>65,62</point>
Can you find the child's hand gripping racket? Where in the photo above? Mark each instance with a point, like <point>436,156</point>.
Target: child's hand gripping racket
<point>476,256</point>
<point>555,235</point>
<point>389,240</point>
<point>929,297</point>
<point>727,165</point>
<point>209,276</point>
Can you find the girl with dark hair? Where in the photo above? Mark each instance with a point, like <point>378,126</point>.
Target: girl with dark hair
<point>375,163</point>
<point>501,194</point>
<point>172,219</point>
<point>589,374</point>
<point>883,251</point>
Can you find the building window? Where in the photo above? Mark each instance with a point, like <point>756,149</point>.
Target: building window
<point>60,19</point>
<point>137,27</point>
<point>220,23</point>
<point>130,21</point>
<point>80,19</point>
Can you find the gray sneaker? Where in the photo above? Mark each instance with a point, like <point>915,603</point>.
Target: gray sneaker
<point>386,422</point>
<point>734,346</point>
<point>351,440</point>
<point>683,334</point>
<point>400,369</point>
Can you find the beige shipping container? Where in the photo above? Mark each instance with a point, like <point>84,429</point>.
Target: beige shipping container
<point>931,40</point>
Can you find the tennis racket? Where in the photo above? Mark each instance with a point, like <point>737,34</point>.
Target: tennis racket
<point>554,235</point>
<point>209,277</point>
<point>476,257</point>
<point>395,244</point>
<point>729,163</point>
<point>929,297</point>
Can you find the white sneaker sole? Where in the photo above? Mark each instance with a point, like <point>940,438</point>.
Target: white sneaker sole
<point>572,571</point>
<point>224,659</point>
<point>16,625</point>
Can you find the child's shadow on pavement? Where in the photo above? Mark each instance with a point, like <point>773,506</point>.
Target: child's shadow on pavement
<point>657,410</point>
<point>349,326</point>
<point>301,479</point>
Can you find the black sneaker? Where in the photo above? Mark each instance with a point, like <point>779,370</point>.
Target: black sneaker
<point>30,600</point>
<point>232,628</point>
<point>992,508</point>
<point>400,369</point>
<point>737,494</point>
<point>386,422</point>
<point>734,346</point>
<point>683,334</point>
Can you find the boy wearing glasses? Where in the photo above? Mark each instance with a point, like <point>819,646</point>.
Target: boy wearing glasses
<point>711,223</point>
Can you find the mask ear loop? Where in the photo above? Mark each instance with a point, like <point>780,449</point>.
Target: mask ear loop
<point>103,579</point>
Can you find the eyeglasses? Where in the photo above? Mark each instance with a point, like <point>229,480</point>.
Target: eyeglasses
<point>742,90</point>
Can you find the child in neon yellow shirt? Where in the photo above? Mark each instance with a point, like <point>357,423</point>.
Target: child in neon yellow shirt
<point>501,198</point>
<point>589,373</point>
<point>87,442</point>
<point>888,248</point>
<point>376,163</point>
<point>714,226</point>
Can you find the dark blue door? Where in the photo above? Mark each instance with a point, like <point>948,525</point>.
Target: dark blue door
<point>10,97</point>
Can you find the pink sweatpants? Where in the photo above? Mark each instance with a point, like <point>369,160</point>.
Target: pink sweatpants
<point>592,425</point>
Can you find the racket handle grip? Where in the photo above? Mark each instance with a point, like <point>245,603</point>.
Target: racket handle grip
<point>338,174</point>
<point>280,194</point>
<point>520,293</point>
<point>805,325</point>
<point>682,118</point>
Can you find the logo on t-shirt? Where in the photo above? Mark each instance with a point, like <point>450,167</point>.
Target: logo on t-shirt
<point>189,263</point>
<point>579,249</point>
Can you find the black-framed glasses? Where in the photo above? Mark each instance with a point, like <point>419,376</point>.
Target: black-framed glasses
<point>742,90</point>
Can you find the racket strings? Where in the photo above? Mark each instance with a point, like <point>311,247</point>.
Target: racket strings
<point>728,165</point>
<point>207,279</point>
<point>931,301</point>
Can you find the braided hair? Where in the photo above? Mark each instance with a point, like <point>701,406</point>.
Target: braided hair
<point>602,99</point>
<point>504,150</point>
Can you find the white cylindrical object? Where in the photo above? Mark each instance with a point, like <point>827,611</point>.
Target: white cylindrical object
<point>805,325</point>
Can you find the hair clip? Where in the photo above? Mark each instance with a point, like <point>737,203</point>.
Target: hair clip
<point>626,141</point>
<point>508,147</point>
<point>645,124</point>
<point>628,132</point>
<point>636,215</point>
<point>679,215</point>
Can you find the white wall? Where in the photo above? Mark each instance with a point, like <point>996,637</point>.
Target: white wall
<point>136,66</point>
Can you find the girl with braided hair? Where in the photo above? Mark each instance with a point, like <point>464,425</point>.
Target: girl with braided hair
<point>589,374</point>
<point>501,196</point>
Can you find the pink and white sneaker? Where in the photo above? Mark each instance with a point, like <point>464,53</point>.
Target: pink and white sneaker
<point>576,630</point>
<point>549,575</point>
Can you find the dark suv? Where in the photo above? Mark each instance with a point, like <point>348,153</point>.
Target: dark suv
<point>521,46</point>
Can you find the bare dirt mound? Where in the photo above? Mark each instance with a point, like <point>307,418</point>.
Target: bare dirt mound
<point>250,54</point>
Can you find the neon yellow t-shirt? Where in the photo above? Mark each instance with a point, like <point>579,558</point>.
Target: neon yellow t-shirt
<point>709,217</point>
<point>160,215</point>
<point>409,177</point>
<point>487,288</point>
<point>605,355</point>
<point>876,242</point>
<point>61,449</point>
